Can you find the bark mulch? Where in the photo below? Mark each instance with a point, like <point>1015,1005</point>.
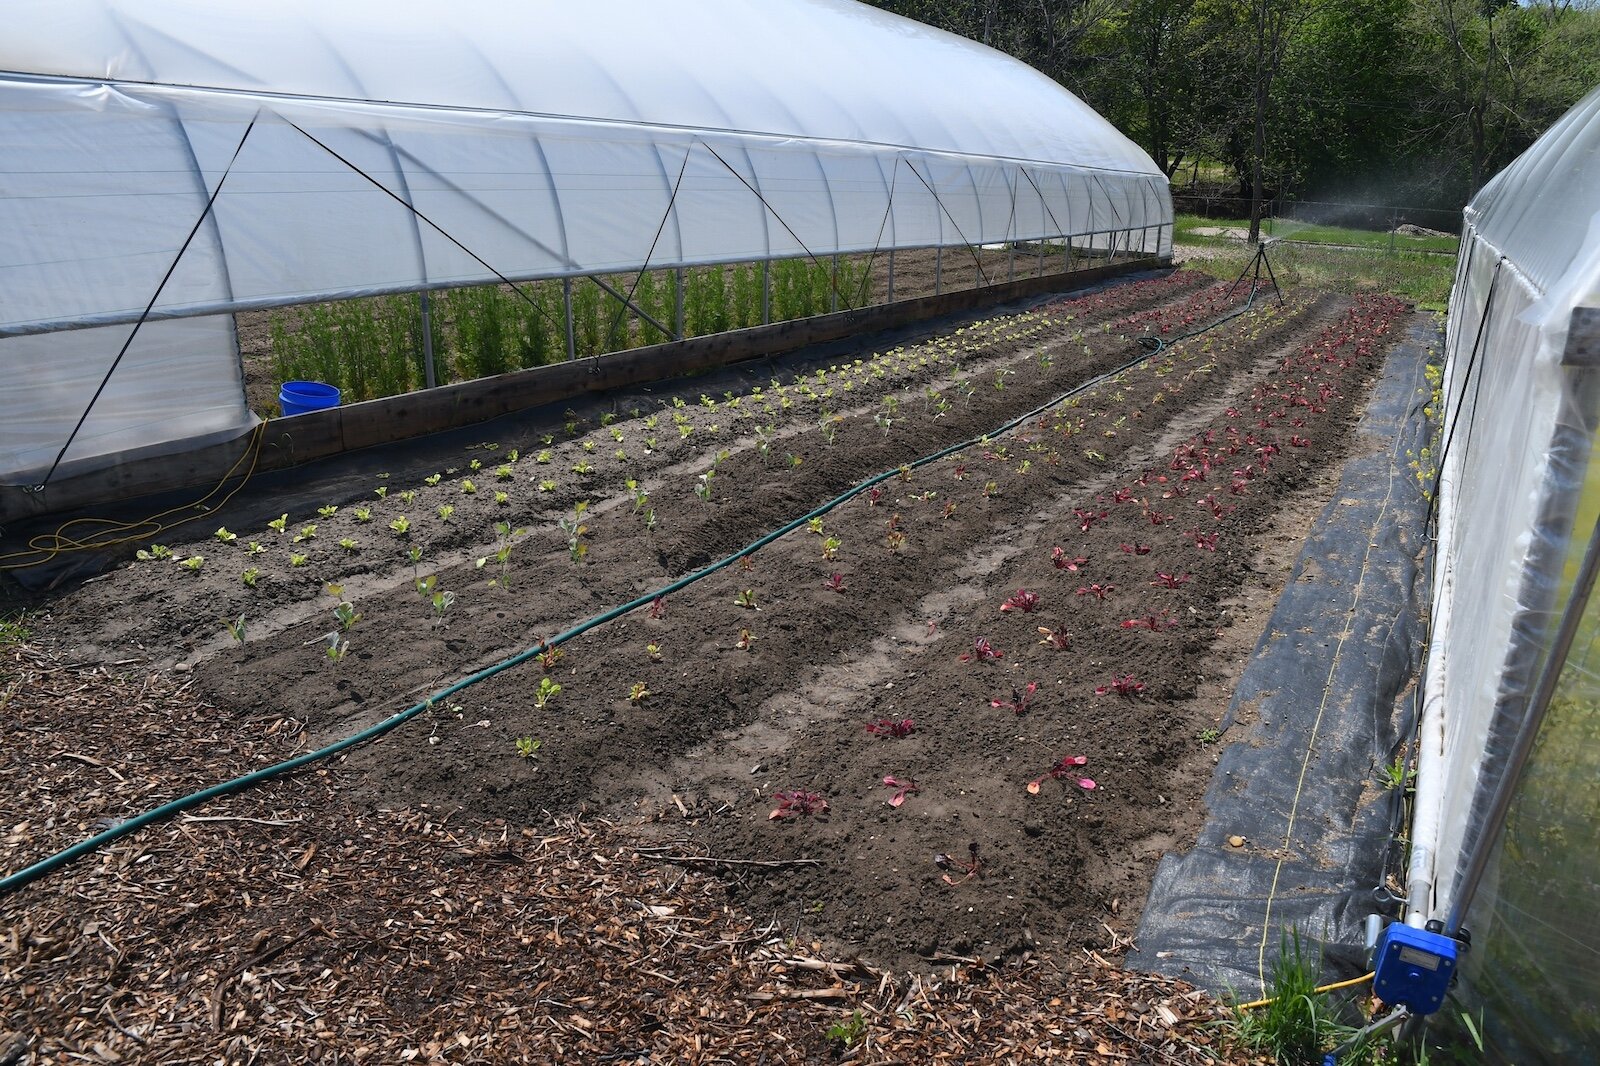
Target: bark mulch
<point>290,924</point>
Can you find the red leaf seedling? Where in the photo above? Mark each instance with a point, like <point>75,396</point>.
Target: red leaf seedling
<point>982,652</point>
<point>1155,623</point>
<point>1066,766</point>
<point>797,803</point>
<point>890,727</point>
<point>902,789</point>
<point>1064,561</point>
<point>835,582</point>
<point>1019,698</point>
<point>1299,441</point>
<point>1024,601</point>
<point>1124,686</point>
<point>1097,591</point>
<point>658,607</point>
<point>1135,549</point>
<point>1203,541</point>
<point>968,869</point>
<point>1055,638</point>
<point>1169,581</point>
<point>1088,518</point>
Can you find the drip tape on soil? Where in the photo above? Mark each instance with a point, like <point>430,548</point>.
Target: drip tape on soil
<point>1325,701</point>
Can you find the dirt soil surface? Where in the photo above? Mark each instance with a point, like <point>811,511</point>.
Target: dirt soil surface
<point>1030,636</point>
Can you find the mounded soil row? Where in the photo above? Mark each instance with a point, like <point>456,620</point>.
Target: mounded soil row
<point>757,683</point>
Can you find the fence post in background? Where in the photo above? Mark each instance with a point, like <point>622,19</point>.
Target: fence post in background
<point>677,303</point>
<point>566,314</point>
<point>891,275</point>
<point>1011,260</point>
<point>833,289</point>
<point>430,379</point>
<point>938,269</point>
<point>766,291</point>
<point>1392,223</point>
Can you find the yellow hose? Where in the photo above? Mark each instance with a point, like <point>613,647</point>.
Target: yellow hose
<point>1325,988</point>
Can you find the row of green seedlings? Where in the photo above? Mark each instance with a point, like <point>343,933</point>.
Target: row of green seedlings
<point>966,340</point>
<point>375,347</point>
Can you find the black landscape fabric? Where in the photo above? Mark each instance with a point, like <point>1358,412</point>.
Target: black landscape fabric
<point>1320,712</point>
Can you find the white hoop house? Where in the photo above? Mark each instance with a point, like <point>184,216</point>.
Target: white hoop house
<point>168,162</point>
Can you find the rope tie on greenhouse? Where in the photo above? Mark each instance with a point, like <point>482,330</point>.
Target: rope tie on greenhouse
<point>672,201</point>
<point>50,864</point>
<point>977,261</point>
<point>145,314</point>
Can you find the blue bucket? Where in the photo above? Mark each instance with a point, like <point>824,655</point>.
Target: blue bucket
<point>298,397</point>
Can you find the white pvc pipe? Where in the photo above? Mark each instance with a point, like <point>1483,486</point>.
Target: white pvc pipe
<point>1428,800</point>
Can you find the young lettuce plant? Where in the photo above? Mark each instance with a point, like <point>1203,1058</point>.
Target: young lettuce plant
<point>1023,600</point>
<point>796,803</point>
<point>891,727</point>
<point>970,868</point>
<point>1066,766</point>
<point>902,789</point>
<point>546,692</point>
<point>1018,703</point>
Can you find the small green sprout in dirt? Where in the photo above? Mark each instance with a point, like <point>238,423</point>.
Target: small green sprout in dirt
<point>991,489</point>
<point>830,548</point>
<point>279,524</point>
<point>255,548</point>
<point>467,487</point>
<point>607,417</point>
<point>445,511</point>
<point>338,647</point>
<point>425,585</point>
<point>583,468</point>
<point>702,486</point>
<point>442,602</point>
<point>746,599</point>
<point>235,629</point>
<point>432,479</point>
<point>513,455</point>
<point>547,486</point>
<point>637,694</point>
<point>297,559</point>
<point>224,536</point>
<point>653,650</point>
<point>794,461</point>
<point>250,577</point>
<point>476,464</point>
<point>307,532</point>
<point>382,477</point>
<point>157,551</point>
<point>363,514</point>
<point>528,747</point>
<point>848,1033</point>
<point>650,520</point>
<point>576,530</point>
<point>346,614</point>
<point>548,438</point>
<point>640,497</point>
<point>649,445</point>
<point>546,692</point>
<point>746,640</point>
<point>1210,736</point>
<point>407,495</point>
<point>544,456</point>
<point>328,511</point>
<point>814,525</point>
<point>588,446</point>
<point>830,426</point>
<point>684,429</point>
<point>348,544</point>
<point>400,526</point>
<point>505,538</point>
<point>193,563</point>
<point>382,491</point>
<point>503,472</point>
<point>502,499</point>
<point>904,473</point>
<point>414,554</point>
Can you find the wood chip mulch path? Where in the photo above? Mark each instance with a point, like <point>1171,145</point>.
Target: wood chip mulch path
<point>287,925</point>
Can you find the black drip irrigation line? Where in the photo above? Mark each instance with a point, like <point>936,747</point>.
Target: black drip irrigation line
<point>30,874</point>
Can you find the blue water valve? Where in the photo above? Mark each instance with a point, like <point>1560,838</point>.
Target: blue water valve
<point>1414,967</point>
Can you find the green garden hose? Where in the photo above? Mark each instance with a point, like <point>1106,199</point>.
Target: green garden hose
<point>55,862</point>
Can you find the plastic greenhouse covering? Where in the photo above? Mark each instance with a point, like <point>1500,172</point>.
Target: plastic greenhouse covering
<point>1508,790</point>
<point>168,159</point>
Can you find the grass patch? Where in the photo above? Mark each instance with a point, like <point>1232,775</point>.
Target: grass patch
<point>1297,1023</point>
<point>1423,279</point>
<point>1187,227</point>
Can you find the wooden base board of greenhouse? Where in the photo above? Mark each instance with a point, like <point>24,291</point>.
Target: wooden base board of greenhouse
<point>287,442</point>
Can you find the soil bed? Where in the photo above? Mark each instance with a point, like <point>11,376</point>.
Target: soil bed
<point>683,722</point>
